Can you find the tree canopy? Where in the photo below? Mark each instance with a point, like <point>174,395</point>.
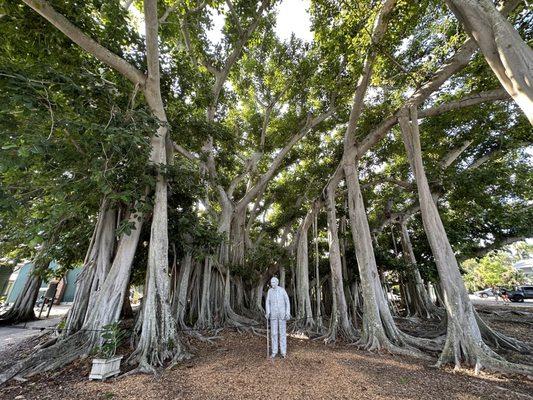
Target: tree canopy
<point>134,146</point>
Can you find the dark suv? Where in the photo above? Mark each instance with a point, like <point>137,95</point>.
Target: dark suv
<point>520,293</point>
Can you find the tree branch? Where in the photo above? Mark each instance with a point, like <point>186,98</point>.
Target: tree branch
<point>235,17</point>
<point>454,154</point>
<point>185,153</point>
<point>403,184</point>
<point>81,39</point>
<point>263,180</point>
<point>497,244</point>
<point>184,26</point>
<point>152,41</point>
<point>473,99</point>
<point>235,54</point>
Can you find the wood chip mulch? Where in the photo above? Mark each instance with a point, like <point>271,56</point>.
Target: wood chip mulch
<point>236,368</point>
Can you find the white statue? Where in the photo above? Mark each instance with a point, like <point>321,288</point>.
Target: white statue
<point>278,310</point>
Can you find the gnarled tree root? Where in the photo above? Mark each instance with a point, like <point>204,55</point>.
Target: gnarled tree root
<point>198,336</point>
<point>234,320</point>
<point>501,341</point>
<point>154,351</point>
<point>14,316</point>
<point>54,357</point>
<point>431,345</point>
<point>308,327</point>
<point>380,342</point>
<point>478,355</point>
<point>337,331</point>
<point>303,324</point>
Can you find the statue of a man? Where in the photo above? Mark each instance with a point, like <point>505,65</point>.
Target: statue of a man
<point>278,310</point>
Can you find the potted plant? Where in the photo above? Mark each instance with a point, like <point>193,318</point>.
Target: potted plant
<point>108,364</point>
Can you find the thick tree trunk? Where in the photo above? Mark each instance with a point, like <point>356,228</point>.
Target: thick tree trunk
<point>237,234</point>
<point>182,289</point>
<point>230,317</point>
<point>108,299</point>
<point>318,293</point>
<point>224,228</point>
<point>378,330</point>
<point>419,298</point>
<point>22,309</point>
<point>464,342</point>
<point>345,328</point>
<point>158,341</point>
<point>508,55</point>
<point>304,313</point>
<point>95,270</point>
<point>373,331</point>
<point>205,316</point>
<point>105,310</point>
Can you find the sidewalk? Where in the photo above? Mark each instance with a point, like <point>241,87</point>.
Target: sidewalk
<point>14,334</point>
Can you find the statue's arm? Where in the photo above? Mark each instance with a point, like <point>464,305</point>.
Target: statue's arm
<point>267,304</point>
<point>287,304</point>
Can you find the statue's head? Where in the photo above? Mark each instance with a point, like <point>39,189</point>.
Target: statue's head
<point>274,282</point>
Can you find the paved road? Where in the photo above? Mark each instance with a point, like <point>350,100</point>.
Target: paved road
<point>489,301</point>
<point>11,335</point>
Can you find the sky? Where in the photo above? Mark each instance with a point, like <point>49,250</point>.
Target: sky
<point>293,17</point>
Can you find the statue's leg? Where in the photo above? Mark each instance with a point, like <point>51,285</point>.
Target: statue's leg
<point>274,327</point>
<point>283,336</point>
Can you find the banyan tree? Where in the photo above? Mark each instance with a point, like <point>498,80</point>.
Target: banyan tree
<point>153,155</point>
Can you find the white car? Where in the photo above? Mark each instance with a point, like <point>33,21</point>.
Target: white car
<point>484,293</point>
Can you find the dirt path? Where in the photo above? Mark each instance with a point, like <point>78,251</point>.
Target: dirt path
<point>236,368</point>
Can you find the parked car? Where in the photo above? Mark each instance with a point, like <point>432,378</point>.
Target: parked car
<point>520,293</point>
<point>485,293</point>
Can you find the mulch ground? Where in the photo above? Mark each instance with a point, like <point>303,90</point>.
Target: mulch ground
<point>236,368</point>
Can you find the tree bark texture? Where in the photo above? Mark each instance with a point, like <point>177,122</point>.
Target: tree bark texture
<point>509,56</point>
<point>464,342</point>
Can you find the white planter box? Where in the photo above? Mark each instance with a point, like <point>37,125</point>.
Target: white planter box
<point>104,368</point>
